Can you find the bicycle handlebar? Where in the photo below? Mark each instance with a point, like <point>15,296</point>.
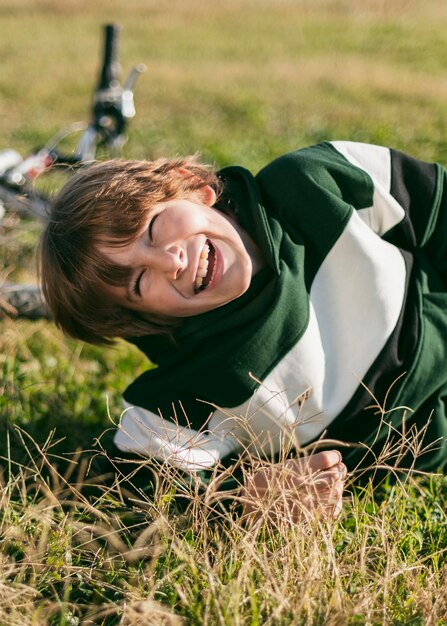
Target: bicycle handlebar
<point>111,69</point>
<point>112,107</point>
<point>112,102</point>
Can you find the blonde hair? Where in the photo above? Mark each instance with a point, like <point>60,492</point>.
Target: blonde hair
<point>107,203</point>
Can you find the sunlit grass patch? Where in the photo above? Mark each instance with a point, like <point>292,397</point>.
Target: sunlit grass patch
<point>76,548</point>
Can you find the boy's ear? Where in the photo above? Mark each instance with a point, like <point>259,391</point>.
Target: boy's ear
<point>206,194</point>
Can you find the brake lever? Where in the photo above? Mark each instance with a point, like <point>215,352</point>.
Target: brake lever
<point>127,96</point>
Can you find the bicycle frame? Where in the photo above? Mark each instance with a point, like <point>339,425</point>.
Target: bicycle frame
<point>112,108</point>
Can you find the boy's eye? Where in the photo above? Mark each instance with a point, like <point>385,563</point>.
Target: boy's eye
<point>151,226</point>
<point>136,289</point>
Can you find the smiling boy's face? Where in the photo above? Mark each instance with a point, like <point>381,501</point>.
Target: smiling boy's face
<point>188,259</point>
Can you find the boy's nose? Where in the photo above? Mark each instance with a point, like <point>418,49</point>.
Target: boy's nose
<point>171,260</point>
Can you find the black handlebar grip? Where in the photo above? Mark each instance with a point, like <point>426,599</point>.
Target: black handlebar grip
<point>110,68</point>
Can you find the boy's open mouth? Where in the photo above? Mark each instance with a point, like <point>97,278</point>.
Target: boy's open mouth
<point>206,267</point>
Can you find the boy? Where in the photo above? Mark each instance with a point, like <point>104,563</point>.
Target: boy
<point>277,308</point>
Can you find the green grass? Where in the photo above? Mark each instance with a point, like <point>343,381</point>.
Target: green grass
<point>89,538</point>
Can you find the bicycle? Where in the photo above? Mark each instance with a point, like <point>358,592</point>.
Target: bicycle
<point>112,108</point>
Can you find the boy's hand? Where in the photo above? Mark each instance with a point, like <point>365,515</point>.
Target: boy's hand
<point>297,488</point>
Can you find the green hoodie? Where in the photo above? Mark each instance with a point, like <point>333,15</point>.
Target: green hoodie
<point>347,316</point>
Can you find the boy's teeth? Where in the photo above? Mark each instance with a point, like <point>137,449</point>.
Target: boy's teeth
<point>202,268</point>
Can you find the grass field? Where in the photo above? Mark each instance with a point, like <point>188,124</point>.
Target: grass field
<point>89,538</point>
